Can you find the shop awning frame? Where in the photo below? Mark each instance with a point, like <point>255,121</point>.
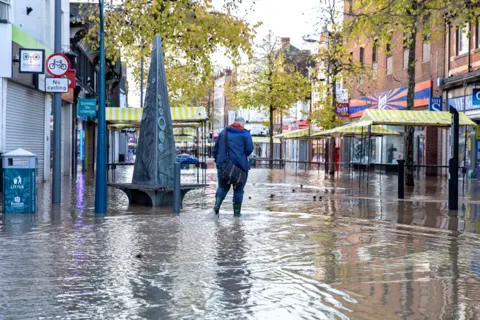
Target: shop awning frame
<point>413,118</point>
<point>356,130</point>
<point>297,134</point>
<point>133,116</point>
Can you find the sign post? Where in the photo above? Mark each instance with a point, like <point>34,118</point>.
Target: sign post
<point>453,162</point>
<point>57,65</point>
<point>101,173</point>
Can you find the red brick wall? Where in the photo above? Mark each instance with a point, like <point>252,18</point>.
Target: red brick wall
<point>457,65</point>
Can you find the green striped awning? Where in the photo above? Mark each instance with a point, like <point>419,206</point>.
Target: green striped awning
<point>413,118</point>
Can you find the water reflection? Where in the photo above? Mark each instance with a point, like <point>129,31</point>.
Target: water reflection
<point>344,254</point>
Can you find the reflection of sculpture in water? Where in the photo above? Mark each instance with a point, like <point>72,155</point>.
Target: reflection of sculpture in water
<point>390,152</point>
<point>232,274</point>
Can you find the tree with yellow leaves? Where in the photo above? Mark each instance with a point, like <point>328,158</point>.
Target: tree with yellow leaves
<point>270,83</point>
<point>191,31</point>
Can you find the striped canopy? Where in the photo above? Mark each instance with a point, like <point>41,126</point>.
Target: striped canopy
<point>185,132</point>
<point>184,139</point>
<point>264,140</point>
<point>353,130</point>
<point>133,116</point>
<point>297,134</point>
<point>413,118</point>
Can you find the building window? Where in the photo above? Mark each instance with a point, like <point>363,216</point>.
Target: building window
<point>426,49</point>
<point>375,51</point>
<point>362,55</point>
<point>4,11</point>
<point>405,51</point>
<point>389,64</point>
<point>477,33</point>
<point>461,40</point>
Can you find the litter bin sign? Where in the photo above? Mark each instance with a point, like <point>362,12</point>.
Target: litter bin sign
<point>19,182</point>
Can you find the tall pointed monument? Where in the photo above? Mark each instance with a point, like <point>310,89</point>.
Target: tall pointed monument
<point>156,146</point>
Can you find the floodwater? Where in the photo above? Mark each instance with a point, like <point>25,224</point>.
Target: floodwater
<point>343,255</point>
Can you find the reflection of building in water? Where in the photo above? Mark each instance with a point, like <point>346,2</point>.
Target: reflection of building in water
<point>397,273</point>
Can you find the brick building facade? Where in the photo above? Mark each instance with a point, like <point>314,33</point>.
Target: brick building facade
<point>387,89</point>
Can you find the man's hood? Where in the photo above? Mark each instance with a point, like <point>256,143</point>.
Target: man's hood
<point>236,127</point>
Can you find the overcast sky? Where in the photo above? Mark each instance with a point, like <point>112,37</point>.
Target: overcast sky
<point>286,18</point>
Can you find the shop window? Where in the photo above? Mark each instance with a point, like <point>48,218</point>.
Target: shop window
<point>388,50</point>
<point>389,65</point>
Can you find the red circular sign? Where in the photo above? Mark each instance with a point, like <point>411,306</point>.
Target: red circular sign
<point>57,65</point>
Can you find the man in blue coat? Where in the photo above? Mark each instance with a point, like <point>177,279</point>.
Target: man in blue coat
<point>240,146</point>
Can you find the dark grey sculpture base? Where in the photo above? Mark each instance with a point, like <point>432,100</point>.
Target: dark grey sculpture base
<point>153,196</point>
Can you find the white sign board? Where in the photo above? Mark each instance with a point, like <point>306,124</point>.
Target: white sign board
<point>342,95</point>
<point>56,85</point>
<point>32,61</point>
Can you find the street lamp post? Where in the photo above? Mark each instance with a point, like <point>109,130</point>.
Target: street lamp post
<point>101,173</point>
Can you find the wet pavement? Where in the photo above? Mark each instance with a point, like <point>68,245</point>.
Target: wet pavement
<point>345,254</point>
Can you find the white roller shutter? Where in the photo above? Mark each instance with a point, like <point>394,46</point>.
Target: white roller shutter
<point>25,125</point>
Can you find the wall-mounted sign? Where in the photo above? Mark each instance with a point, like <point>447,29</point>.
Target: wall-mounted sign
<point>476,97</point>
<point>58,65</point>
<point>342,95</point>
<point>87,108</point>
<point>32,61</point>
<point>435,104</point>
<point>56,85</point>
<point>342,110</point>
<point>71,76</point>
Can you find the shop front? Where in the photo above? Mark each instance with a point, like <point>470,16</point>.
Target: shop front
<point>389,149</point>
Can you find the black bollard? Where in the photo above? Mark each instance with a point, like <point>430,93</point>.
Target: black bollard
<point>453,162</point>
<point>176,188</point>
<point>401,179</point>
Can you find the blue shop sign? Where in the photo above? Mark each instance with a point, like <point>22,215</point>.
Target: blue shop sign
<point>476,97</point>
<point>457,103</point>
<point>87,109</point>
<point>435,104</point>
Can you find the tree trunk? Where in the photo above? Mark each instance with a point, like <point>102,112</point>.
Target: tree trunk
<point>409,132</point>
<point>270,133</point>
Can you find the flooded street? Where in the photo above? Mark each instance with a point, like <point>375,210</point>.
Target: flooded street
<point>341,255</point>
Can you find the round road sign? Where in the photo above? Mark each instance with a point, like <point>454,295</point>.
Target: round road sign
<point>57,65</point>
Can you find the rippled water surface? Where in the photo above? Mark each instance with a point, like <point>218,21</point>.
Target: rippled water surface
<point>290,256</point>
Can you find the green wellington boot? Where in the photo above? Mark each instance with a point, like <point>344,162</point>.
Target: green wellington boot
<point>237,208</point>
<point>218,203</point>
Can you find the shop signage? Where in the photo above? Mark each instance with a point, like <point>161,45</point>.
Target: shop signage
<point>56,85</point>
<point>71,76</point>
<point>87,108</point>
<point>32,61</point>
<point>476,97</point>
<point>58,65</point>
<point>19,190</point>
<point>435,104</point>
<point>342,96</point>
<point>342,110</point>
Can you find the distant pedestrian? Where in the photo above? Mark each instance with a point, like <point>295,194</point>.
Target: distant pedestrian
<point>233,146</point>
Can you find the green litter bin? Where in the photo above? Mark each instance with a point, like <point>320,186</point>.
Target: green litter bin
<point>19,182</point>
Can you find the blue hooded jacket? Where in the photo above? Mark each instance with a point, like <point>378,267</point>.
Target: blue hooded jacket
<point>240,146</point>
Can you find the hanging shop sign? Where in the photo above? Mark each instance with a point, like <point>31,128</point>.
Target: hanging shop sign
<point>435,104</point>
<point>342,110</point>
<point>87,108</point>
<point>32,61</point>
